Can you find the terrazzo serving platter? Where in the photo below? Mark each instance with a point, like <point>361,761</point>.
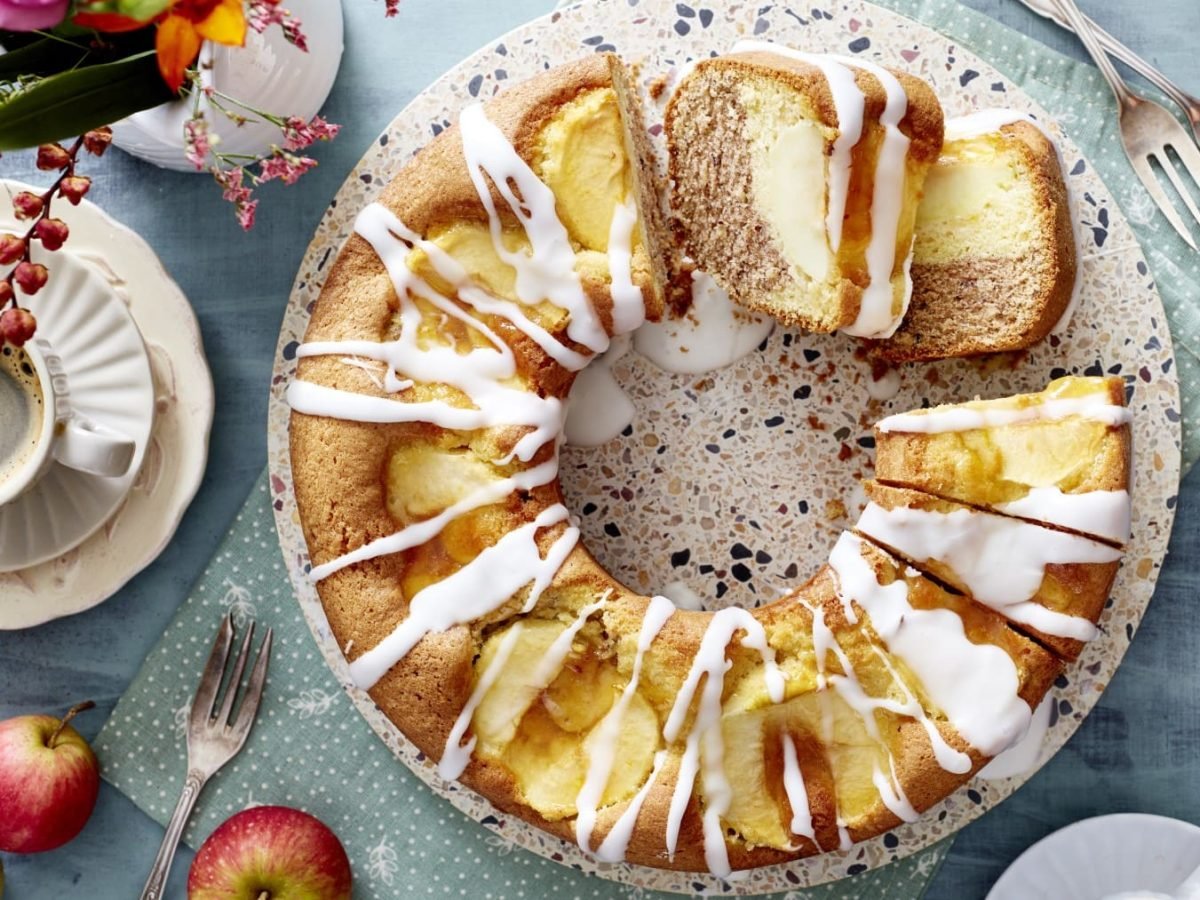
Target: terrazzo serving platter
<point>736,483</point>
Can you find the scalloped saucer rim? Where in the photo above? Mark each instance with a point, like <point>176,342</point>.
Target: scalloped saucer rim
<point>75,505</point>
<point>1101,856</point>
<point>144,524</point>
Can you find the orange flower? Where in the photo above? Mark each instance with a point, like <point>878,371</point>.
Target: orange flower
<point>187,24</point>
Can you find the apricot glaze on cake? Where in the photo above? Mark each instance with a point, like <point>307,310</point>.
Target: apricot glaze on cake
<point>796,181</point>
<point>428,408</point>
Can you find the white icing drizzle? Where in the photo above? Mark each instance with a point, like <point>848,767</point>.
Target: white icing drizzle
<point>959,418</point>
<point>797,793</point>
<point>616,842</point>
<point>1001,561</point>
<point>475,590</point>
<point>516,407</point>
<point>547,271</point>
<point>551,662</point>
<point>392,240</point>
<point>713,334</point>
<point>1022,756</point>
<point>947,757</point>
<point>682,595</point>
<point>845,842</point>
<point>629,304</point>
<point>851,691</point>
<point>601,744</point>
<point>1104,514</point>
<point>989,121</point>
<point>875,316</point>
<point>892,794</point>
<point>457,755</point>
<point>976,685</point>
<point>598,409</point>
<point>849,104</point>
<point>710,663</point>
<point>428,529</point>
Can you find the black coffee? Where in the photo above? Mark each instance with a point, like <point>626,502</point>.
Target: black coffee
<point>22,408</point>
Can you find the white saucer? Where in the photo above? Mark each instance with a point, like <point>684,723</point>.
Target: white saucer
<point>1106,855</point>
<point>109,376</point>
<point>171,457</point>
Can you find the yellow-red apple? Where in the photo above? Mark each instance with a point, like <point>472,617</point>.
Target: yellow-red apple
<point>270,853</point>
<point>49,778</point>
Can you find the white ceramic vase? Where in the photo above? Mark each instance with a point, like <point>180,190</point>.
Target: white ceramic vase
<point>267,74</point>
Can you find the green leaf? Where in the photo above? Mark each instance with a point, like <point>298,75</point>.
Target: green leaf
<point>73,102</point>
<point>58,53</point>
<point>43,57</point>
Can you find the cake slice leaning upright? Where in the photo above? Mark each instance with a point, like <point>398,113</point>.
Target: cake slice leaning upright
<point>994,257</point>
<point>1060,457</point>
<point>796,179</point>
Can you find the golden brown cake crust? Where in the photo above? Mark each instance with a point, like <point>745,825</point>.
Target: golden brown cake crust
<point>340,472</point>
<point>985,304</point>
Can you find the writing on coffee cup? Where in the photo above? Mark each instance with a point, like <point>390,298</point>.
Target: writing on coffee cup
<point>39,425</point>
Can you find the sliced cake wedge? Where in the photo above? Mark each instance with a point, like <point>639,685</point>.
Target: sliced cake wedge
<point>795,182</point>
<point>994,258</point>
<point>1051,584</point>
<point>1059,457</point>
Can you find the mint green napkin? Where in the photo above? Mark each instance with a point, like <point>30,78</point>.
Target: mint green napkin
<point>311,749</point>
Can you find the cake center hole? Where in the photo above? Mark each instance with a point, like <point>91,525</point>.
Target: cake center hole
<point>730,487</point>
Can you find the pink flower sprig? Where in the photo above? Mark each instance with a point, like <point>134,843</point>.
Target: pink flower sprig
<point>287,167</point>
<point>235,172</point>
<point>262,14</point>
<point>238,182</point>
<point>17,324</point>
<point>298,134</point>
<point>391,8</point>
<point>235,192</point>
<point>197,144</point>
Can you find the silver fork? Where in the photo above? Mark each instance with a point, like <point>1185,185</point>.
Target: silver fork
<point>214,735</point>
<point>1185,101</point>
<point>1147,130</point>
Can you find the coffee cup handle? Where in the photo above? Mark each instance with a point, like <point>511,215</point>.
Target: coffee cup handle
<point>92,448</point>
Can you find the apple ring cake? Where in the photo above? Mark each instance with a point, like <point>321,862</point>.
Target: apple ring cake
<point>427,414</point>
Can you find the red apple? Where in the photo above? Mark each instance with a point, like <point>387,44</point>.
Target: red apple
<point>270,853</point>
<point>49,779</point>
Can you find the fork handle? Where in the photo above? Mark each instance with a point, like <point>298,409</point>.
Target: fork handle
<point>1086,32</point>
<point>1115,48</point>
<point>157,881</point>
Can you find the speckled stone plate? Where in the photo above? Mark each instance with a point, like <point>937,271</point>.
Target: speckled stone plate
<point>738,482</point>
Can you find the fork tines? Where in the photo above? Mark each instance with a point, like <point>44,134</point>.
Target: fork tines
<point>1150,132</point>
<point>205,713</point>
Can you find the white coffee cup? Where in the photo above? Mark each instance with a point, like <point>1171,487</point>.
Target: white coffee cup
<point>61,434</point>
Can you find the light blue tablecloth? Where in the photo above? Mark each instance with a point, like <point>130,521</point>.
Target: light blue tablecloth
<point>1137,751</point>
